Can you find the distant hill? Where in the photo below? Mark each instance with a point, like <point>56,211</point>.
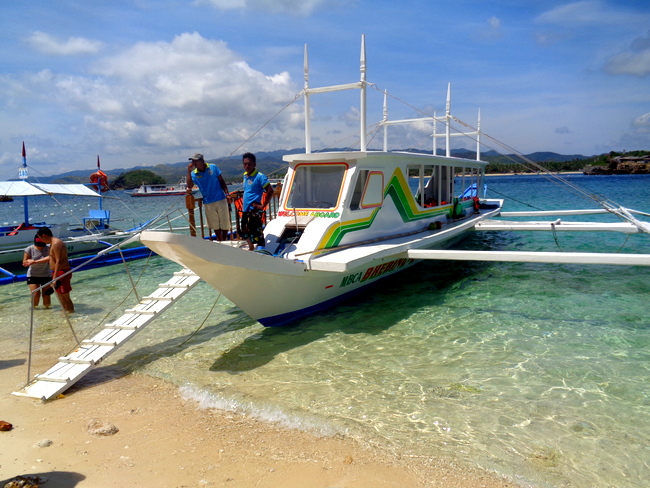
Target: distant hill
<point>271,164</point>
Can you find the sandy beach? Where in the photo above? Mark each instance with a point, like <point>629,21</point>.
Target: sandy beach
<point>166,441</point>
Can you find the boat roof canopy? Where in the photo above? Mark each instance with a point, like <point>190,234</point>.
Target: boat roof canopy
<point>376,156</point>
<point>24,189</point>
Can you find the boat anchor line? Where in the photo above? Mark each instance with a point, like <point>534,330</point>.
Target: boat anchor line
<point>93,351</point>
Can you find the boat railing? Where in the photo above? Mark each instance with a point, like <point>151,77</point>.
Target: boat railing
<point>235,207</point>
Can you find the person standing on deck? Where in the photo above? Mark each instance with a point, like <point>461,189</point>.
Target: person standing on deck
<point>60,266</point>
<point>37,257</point>
<point>214,190</point>
<point>257,195</point>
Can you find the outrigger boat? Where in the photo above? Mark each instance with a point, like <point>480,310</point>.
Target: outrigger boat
<point>350,218</point>
<point>92,234</point>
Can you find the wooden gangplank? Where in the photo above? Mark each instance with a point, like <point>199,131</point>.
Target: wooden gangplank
<point>91,352</point>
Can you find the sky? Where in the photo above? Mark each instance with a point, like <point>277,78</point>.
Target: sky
<point>146,82</point>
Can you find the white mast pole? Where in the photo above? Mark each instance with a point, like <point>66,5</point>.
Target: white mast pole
<point>385,120</point>
<point>307,108</point>
<point>448,120</point>
<point>362,142</point>
<point>478,137</point>
<point>435,123</point>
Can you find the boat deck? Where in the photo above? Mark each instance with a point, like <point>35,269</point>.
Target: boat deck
<point>352,257</point>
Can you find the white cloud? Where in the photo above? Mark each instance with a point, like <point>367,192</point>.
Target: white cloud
<point>494,22</point>
<point>638,137</point>
<point>585,12</point>
<point>48,44</point>
<point>642,123</point>
<point>634,61</point>
<point>189,92</point>
<point>162,99</point>
<point>291,7</point>
<point>493,30</point>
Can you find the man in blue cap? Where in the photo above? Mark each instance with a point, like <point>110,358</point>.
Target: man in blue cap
<point>257,195</point>
<point>214,190</point>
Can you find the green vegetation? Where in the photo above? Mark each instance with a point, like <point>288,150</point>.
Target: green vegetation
<point>604,159</point>
<point>135,178</point>
<point>510,164</point>
<point>553,166</point>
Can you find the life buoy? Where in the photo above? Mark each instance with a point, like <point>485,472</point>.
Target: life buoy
<point>100,179</point>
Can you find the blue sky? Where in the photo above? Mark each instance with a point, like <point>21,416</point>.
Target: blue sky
<point>144,82</point>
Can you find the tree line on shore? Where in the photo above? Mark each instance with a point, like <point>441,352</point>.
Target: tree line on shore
<point>273,166</point>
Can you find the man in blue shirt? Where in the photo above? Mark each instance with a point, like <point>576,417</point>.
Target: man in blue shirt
<point>257,195</point>
<point>214,190</point>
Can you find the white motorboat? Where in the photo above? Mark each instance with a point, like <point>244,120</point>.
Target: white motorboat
<point>348,219</point>
<point>160,190</point>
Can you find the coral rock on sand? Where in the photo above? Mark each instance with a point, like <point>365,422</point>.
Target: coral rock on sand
<point>25,482</point>
<point>100,428</point>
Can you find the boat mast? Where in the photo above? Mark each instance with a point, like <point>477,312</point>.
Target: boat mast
<point>478,136</point>
<point>448,122</point>
<point>99,185</point>
<point>362,129</point>
<point>23,175</point>
<point>307,118</point>
<point>348,86</point>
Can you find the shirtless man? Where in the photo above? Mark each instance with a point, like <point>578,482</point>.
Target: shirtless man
<point>60,265</point>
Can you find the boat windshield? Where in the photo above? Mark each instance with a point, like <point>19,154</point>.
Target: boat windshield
<point>316,185</point>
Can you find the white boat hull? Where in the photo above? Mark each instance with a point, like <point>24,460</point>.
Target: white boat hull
<point>276,291</point>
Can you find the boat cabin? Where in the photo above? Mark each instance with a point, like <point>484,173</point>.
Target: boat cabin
<point>336,199</point>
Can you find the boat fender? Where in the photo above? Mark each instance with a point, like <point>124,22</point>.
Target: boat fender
<point>100,179</point>
<point>435,225</point>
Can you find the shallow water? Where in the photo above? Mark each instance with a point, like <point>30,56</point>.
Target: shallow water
<point>536,371</point>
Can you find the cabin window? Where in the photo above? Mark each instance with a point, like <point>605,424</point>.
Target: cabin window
<point>424,184</point>
<point>316,185</point>
<point>368,190</point>
<point>431,185</point>
<point>359,186</point>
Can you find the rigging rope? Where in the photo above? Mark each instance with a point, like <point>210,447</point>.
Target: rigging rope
<point>515,200</point>
<point>602,201</point>
<point>202,323</point>
<point>296,97</point>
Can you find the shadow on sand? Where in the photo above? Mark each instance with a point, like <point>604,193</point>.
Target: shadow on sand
<point>11,363</point>
<point>53,479</point>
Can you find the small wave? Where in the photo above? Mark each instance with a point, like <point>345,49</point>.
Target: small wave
<point>303,421</point>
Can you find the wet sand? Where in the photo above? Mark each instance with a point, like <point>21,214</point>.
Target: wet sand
<point>166,441</point>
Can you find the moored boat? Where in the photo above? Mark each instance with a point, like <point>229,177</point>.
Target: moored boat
<point>92,233</point>
<point>348,219</point>
<point>160,190</point>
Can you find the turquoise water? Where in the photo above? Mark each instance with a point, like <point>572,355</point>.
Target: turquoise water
<point>536,371</point>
